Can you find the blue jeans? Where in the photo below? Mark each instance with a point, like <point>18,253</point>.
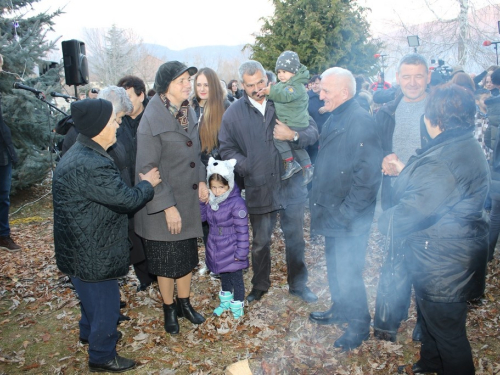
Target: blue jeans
<point>100,308</point>
<point>5,183</point>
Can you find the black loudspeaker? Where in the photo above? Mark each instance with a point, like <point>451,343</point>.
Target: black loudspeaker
<point>76,68</point>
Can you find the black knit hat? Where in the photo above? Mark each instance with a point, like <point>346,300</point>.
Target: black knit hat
<point>169,71</point>
<point>91,115</point>
<point>289,62</point>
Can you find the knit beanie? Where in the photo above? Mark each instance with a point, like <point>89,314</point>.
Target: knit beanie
<point>91,115</point>
<point>288,61</point>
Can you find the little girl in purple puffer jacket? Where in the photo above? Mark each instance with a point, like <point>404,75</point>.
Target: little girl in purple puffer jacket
<point>227,245</point>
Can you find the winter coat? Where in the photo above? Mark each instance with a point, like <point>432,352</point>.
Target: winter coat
<point>347,173</point>
<point>124,150</point>
<point>493,105</point>
<point>291,99</point>
<point>440,197</point>
<point>315,103</point>
<point>91,202</point>
<point>6,145</point>
<point>385,124</point>
<point>247,136</point>
<point>228,236</point>
<point>163,143</point>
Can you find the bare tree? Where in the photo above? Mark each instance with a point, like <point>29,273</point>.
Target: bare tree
<point>113,53</point>
<point>457,40</point>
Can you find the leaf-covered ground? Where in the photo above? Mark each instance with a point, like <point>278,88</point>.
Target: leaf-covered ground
<point>39,318</point>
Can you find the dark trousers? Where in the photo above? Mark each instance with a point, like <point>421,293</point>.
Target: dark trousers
<point>445,346</point>
<point>345,260</point>
<point>233,282</point>
<point>100,308</point>
<point>292,224</point>
<point>494,227</point>
<point>5,183</point>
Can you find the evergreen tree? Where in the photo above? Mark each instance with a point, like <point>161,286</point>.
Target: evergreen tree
<point>324,33</point>
<point>23,45</point>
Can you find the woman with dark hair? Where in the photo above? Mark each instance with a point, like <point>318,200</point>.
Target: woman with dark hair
<point>233,90</point>
<point>168,138</point>
<point>464,80</point>
<point>439,214</point>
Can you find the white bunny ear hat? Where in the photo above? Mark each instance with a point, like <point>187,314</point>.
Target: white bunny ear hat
<point>225,168</point>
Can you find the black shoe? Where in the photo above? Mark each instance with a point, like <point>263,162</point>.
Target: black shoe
<point>330,316</point>
<point>170,314</point>
<point>291,167</point>
<point>142,287</point>
<point>417,332</point>
<point>86,341</point>
<point>308,175</point>
<point>256,295</point>
<point>418,369</point>
<point>117,364</point>
<point>184,309</point>
<point>384,335</point>
<point>122,318</point>
<point>123,304</point>
<point>352,338</point>
<point>305,294</point>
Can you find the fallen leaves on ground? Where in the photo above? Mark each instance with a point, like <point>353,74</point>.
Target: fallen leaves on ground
<point>39,315</point>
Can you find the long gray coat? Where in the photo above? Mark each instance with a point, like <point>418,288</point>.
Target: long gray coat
<point>163,143</point>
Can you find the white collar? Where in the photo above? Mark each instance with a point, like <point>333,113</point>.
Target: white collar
<point>259,106</point>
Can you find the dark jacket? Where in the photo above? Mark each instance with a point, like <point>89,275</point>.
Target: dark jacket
<point>6,145</point>
<point>347,173</point>
<point>228,236</point>
<point>440,197</point>
<point>124,151</point>
<point>163,143</point>
<point>315,103</point>
<point>385,123</point>
<point>90,205</point>
<point>491,133</point>
<point>247,136</point>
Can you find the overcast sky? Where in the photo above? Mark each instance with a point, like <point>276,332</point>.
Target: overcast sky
<point>191,23</point>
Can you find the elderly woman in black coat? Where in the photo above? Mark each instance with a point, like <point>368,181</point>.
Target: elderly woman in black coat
<point>439,213</point>
<point>91,202</point>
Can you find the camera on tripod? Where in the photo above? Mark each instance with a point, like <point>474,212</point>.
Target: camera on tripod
<point>442,69</point>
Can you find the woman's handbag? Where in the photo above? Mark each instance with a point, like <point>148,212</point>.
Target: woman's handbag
<point>394,289</point>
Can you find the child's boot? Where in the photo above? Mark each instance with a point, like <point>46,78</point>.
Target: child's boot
<point>237,309</point>
<point>291,167</point>
<point>225,299</point>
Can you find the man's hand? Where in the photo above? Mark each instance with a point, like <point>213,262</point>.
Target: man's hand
<point>174,221</point>
<point>388,166</point>
<point>282,132</point>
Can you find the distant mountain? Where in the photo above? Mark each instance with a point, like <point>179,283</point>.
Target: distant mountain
<point>210,56</point>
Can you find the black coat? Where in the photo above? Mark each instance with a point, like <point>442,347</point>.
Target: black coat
<point>440,197</point>
<point>347,173</point>
<point>91,202</point>
<point>247,136</point>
